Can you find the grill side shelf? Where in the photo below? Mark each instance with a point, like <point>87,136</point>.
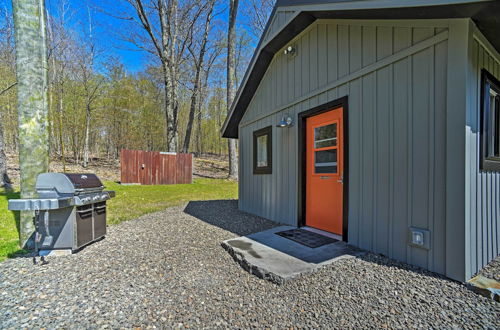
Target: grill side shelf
<point>39,204</point>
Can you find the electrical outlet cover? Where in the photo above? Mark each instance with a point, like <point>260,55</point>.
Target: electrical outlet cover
<point>419,238</point>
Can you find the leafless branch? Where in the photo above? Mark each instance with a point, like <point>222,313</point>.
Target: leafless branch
<point>8,88</point>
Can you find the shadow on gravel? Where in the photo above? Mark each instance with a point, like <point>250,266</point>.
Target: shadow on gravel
<point>387,262</point>
<point>21,253</point>
<point>225,215</point>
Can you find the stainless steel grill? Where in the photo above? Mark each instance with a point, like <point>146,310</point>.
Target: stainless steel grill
<point>70,211</point>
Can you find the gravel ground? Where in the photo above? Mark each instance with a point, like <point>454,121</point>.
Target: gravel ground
<point>168,269</point>
<point>492,269</point>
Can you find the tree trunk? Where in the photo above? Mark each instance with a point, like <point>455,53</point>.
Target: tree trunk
<point>87,138</point>
<point>219,119</point>
<point>203,93</point>
<point>4,178</point>
<point>171,147</point>
<point>231,34</point>
<point>195,96</point>
<point>31,72</point>
<point>199,147</point>
<point>192,110</point>
<point>171,64</point>
<point>61,138</point>
<point>60,106</point>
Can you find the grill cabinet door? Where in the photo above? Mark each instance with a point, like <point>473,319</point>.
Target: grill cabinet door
<point>99,220</point>
<point>84,227</point>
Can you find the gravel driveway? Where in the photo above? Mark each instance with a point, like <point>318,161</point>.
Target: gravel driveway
<point>168,269</point>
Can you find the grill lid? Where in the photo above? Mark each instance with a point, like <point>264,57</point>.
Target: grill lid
<point>57,184</point>
<point>84,180</point>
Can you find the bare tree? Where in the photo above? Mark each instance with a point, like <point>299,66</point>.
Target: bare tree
<point>92,92</point>
<point>8,81</point>
<point>204,89</point>
<point>31,72</point>
<point>60,53</point>
<point>231,67</point>
<point>242,48</point>
<point>198,59</point>
<point>7,38</point>
<point>91,86</point>
<point>258,12</point>
<point>4,178</point>
<point>165,27</point>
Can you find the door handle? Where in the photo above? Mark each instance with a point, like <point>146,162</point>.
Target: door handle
<point>341,179</point>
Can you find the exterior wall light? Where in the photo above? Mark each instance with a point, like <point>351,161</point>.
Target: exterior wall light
<point>290,50</point>
<point>285,122</point>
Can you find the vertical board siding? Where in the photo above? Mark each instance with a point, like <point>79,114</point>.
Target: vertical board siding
<point>368,153</point>
<point>397,133</point>
<point>158,168</point>
<point>439,180</point>
<point>421,123</point>
<point>482,192</point>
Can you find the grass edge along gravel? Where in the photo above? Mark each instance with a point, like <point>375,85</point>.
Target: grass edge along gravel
<point>131,202</point>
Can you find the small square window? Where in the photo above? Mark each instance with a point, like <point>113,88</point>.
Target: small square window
<point>325,136</point>
<point>490,122</point>
<point>262,151</point>
<point>325,149</point>
<point>325,161</point>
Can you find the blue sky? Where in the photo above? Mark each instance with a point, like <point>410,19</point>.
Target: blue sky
<point>105,27</point>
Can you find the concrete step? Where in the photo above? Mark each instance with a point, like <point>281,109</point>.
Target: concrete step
<point>278,259</point>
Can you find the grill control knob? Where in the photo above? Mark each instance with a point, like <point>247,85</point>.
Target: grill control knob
<point>86,199</point>
<point>104,196</point>
<point>96,198</point>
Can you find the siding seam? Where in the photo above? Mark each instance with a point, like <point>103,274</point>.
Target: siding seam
<point>410,148</point>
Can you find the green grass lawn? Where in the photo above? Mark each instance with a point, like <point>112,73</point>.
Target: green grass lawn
<point>9,235</point>
<point>130,202</point>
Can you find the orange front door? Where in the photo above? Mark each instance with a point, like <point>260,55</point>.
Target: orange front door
<point>324,171</point>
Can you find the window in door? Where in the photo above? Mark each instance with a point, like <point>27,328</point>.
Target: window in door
<point>325,149</point>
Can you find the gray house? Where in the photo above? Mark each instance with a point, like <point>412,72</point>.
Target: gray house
<point>378,121</point>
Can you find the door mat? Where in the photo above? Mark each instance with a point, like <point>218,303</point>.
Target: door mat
<point>307,238</point>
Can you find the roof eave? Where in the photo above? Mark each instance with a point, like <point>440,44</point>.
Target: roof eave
<point>260,61</point>
<point>484,13</point>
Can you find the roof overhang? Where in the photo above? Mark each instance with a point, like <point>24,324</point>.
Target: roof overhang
<point>485,14</point>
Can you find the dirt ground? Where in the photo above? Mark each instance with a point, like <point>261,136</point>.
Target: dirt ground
<point>207,166</point>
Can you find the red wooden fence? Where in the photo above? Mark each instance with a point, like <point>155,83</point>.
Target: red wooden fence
<point>151,167</point>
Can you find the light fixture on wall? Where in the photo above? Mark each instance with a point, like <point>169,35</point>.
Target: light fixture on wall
<point>285,122</point>
<point>290,50</point>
